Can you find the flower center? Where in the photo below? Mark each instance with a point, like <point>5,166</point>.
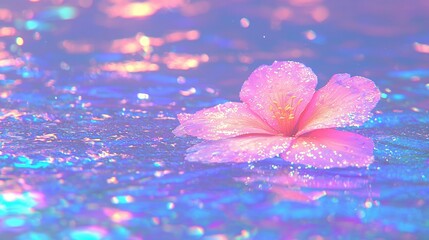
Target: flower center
<point>284,111</point>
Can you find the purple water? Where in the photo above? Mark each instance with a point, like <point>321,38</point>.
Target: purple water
<point>90,89</point>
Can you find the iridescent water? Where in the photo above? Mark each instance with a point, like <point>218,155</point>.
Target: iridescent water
<point>90,91</point>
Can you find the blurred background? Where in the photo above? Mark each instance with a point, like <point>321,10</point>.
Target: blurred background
<point>90,89</point>
<point>218,43</point>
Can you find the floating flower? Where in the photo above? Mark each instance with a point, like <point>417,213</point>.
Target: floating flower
<point>282,114</point>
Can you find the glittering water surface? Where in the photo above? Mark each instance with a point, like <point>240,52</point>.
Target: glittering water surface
<point>89,92</point>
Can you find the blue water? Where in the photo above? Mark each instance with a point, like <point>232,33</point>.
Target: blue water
<point>89,92</point>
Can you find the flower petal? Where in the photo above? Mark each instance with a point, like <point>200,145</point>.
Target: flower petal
<point>222,121</point>
<point>238,149</point>
<point>344,101</point>
<point>279,93</point>
<point>326,148</point>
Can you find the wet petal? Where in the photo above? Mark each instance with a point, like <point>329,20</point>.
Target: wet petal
<point>222,121</point>
<point>239,149</point>
<point>344,101</point>
<point>328,148</point>
<point>279,93</point>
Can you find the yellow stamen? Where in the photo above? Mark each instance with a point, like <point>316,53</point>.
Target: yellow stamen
<point>284,111</point>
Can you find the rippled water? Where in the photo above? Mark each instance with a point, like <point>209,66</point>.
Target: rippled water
<point>89,92</point>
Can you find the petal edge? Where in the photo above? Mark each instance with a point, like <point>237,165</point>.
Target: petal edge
<point>343,101</point>
<point>222,121</point>
<point>327,148</point>
<point>238,149</point>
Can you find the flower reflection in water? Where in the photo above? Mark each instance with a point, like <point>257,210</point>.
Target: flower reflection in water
<point>305,186</point>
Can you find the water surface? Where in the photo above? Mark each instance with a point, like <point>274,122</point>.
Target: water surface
<point>89,92</point>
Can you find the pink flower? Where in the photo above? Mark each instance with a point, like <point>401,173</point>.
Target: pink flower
<point>282,114</point>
